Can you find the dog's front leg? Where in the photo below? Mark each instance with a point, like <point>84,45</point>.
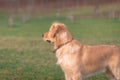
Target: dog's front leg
<point>67,77</point>
<point>77,76</point>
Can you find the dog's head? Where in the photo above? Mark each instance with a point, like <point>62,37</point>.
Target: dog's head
<point>57,34</point>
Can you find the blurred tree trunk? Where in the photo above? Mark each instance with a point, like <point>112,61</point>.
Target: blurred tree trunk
<point>12,12</point>
<point>96,8</point>
<point>114,13</point>
<point>70,15</point>
<point>11,21</point>
<point>28,11</point>
<point>85,2</point>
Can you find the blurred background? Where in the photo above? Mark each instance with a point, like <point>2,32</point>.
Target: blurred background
<point>23,53</point>
<point>59,8</point>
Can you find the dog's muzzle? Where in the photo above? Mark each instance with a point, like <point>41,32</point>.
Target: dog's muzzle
<point>46,40</point>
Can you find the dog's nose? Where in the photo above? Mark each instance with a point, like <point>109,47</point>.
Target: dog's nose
<point>42,35</point>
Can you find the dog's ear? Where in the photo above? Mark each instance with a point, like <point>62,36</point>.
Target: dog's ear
<point>58,29</point>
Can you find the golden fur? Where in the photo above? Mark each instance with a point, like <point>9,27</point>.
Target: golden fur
<point>79,60</point>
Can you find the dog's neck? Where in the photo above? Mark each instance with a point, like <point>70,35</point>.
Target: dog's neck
<point>54,50</point>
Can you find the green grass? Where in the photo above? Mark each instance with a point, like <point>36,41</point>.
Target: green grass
<point>25,56</point>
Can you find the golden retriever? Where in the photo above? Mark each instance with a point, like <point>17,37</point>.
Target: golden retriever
<point>79,60</point>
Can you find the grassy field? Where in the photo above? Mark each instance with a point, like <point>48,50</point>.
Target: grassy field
<point>25,56</point>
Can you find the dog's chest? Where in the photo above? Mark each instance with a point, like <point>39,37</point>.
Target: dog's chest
<point>64,59</point>
<point>67,55</point>
<point>65,62</point>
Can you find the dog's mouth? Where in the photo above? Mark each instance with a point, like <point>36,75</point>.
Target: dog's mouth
<point>48,41</point>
